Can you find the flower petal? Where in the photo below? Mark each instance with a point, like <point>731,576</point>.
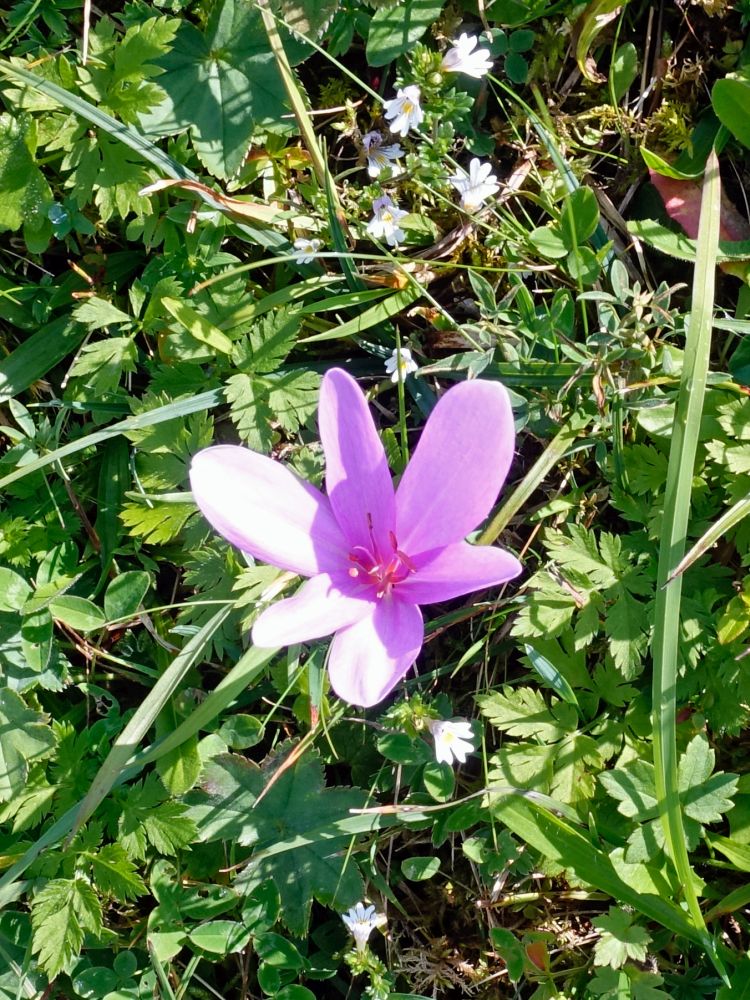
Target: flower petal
<point>368,659</point>
<point>318,608</point>
<point>357,476</point>
<point>458,467</point>
<point>455,570</point>
<point>265,509</point>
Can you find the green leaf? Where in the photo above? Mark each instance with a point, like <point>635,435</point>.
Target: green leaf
<point>293,397</point>
<point>220,937</point>
<point>96,313</point>
<point>705,796</point>
<point>420,869</point>
<point>77,612</point>
<point>197,325</point>
<point>14,590</point>
<point>624,70</point>
<point>268,343</point>
<point>731,100</point>
<point>115,874</point>
<point>510,949</point>
<point>100,365</point>
<point>621,939</point>
<point>295,804</point>
<point>125,594</point>
<point>25,195</point>
<point>60,914</point>
<point>159,523</point>
<point>221,84</point>
<point>24,739</point>
<point>250,412</point>
<point>395,28</point>
<point>551,675</point>
<point>523,712</point>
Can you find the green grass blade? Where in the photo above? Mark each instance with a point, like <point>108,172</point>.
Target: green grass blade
<point>736,513</point>
<point>247,669</point>
<point>131,137</point>
<point>144,717</point>
<point>38,354</point>
<point>557,840</point>
<point>547,461</point>
<point>180,408</point>
<point>665,645</point>
<point>371,317</point>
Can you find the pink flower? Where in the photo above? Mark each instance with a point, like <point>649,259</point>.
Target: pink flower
<point>372,554</point>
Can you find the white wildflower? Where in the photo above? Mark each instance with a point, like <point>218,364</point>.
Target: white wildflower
<point>400,364</point>
<point>476,186</point>
<point>404,111</point>
<point>306,250</point>
<point>462,58</point>
<point>452,740</point>
<point>379,157</point>
<point>361,921</point>
<point>384,223</point>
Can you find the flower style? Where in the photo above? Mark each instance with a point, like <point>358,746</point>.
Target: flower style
<point>379,157</point>
<point>400,364</point>
<point>361,921</point>
<point>404,110</point>
<point>374,554</point>
<point>306,250</point>
<point>452,740</point>
<point>384,223</point>
<point>462,58</point>
<point>476,186</point>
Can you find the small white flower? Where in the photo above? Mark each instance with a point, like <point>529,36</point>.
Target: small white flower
<point>403,111</point>
<point>306,250</point>
<point>384,222</point>
<point>476,186</point>
<point>463,59</point>
<point>452,740</point>
<point>361,921</point>
<point>400,364</point>
<point>379,156</point>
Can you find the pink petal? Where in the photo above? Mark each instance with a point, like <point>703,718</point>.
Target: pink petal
<point>318,608</point>
<point>357,478</point>
<point>368,659</point>
<point>264,509</point>
<point>458,467</point>
<point>455,570</point>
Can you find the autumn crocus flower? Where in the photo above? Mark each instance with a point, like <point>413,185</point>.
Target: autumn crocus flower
<point>373,554</point>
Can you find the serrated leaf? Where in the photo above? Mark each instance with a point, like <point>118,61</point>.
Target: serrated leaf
<point>220,84</point>
<point>115,874</point>
<point>146,820</point>
<point>60,914</point>
<point>523,712</point>
<point>268,343</point>
<point>100,365</point>
<point>633,786</point>
<point>621,939</point>
<point>157,524</point>
<point>293,397</point>
<point>25,738</point>
<point>295,803</point>
<point>705,796</point>
<point>250,412</point>
<point>96,313</point>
